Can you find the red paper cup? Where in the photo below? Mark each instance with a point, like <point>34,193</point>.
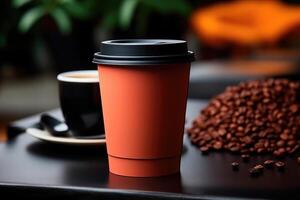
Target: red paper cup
<point>144,87</point>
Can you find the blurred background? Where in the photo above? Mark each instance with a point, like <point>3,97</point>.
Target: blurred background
<point>233,41</point>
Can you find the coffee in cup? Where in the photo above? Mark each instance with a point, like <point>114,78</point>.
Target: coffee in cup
<point>81,103</point>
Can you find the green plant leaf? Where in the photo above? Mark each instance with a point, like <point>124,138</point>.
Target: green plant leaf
<point>2,40</point>
<point>30,17</point>
<point>142,19</point>
<point>170,6</point>
<point>127,10</point>
<point>110,20</point>
<point>19,3</point>
<point>62,20</point>
<point>79,9</point>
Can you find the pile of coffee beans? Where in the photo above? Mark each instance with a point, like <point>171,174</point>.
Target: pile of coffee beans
<point>254,117</point>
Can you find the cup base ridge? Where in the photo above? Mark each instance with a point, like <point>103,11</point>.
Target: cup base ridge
<point>144,167</point>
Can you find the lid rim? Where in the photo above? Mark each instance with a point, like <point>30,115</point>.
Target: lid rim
<point>139,62</point>
<point>156,41</point>
<point>146,57</point>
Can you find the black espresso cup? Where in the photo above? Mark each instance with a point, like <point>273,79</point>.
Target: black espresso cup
<point>80,102</point>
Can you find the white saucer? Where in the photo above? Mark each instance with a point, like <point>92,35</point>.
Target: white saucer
<point>45,136</point>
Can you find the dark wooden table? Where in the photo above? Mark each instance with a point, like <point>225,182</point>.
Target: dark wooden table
<point>31,168</point>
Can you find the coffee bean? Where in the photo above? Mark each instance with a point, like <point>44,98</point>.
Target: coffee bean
<point>204,149</point>
<point>222,132</point>
<point>269,164</point>
<point>278,153</point>
<point>259,167</point>
<point>294,108</point>
<point>298,160</point>
<point>280,165</point>
<point>284,136</point>
<point>245,157</point>
<point>217,145</point>
<point>207,137</point>
<point>259,145</point>
<point>281,150</point>
<point>260,150</point>
<point>294,149</point>
<point>215,134</point>
<point>235,148</point>
<point>280,143</point>
<point>254,172</point>
<point>291,143</point>
<point>228,136</point>
<point>201,142</point>
<point>245,151</point>
<point>235,165</point>
<point>247,139</point>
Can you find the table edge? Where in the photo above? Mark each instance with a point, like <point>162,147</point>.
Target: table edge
<point>120,193</point>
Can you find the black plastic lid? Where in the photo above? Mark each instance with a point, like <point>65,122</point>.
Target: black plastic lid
<point>143,52</point>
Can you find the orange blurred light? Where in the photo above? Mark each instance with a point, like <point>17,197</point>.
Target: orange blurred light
<point>245,22</point>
